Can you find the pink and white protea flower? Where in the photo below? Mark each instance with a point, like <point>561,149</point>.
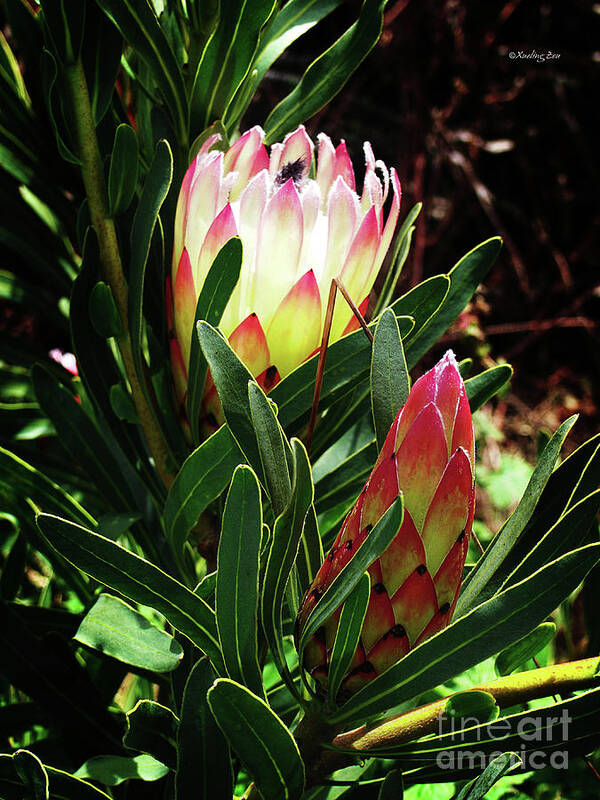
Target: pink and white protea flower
<point>298,232</point>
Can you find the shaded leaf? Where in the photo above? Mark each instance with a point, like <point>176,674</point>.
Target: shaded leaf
<point>204,770</point>
<point>117,630</point>
<point>237,579</point>
<point>264,745</point>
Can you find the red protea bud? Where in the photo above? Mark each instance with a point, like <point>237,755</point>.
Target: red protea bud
<point>428,455</point>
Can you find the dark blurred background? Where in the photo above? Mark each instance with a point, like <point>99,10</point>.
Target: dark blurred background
<point>495,136</point>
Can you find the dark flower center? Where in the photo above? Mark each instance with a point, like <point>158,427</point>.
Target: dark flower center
<point>293,169</point>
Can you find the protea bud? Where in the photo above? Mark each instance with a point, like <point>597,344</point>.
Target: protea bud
<point>297,231</point>
<point>428,455</point>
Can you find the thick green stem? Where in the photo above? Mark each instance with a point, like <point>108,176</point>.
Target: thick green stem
<point>508,691</point>
<point>112,269</point>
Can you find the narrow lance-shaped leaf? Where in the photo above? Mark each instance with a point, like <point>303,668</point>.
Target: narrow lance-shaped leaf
<point>465,277</point>
<point>81,438</point>
<point>282,555</point>
<point>481,387</point>
<point>237,579</point>
<point>204,770</point>
<point>328,73</point>
<point>310,553</point>
<point>264,745</point>
<point>569,532</point>
<point>273,448</point>
<point>153,195</point>
<point>203,477</point>
<point>216,290</point>
<point>498,550</point>
<point>123,172</point>
<point>347,636</point>
<point>390,382</point>
<point>117,630</point>
<point>292,21</point>
<point>477,789</point>
<point>136,578</point>
<point>137,21</point>
<point>29,482</point>
<point>227,58</point>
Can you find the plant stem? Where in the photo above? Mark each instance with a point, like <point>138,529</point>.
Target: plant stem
<point>110,258</point>
<point>507,691</point>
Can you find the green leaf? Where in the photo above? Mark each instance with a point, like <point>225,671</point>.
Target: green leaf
<point>327,74</point>
<point>216,290</point>
<point>392,787</point>
<point>122,404</point>
<point>346,480</point>
<point>310,553</point>
<point>237,579</point>
<point>64,786</point>
<point>155,190</point>
<point>32,774</point>
<point>292,21</point>
<point>342,585</point>
<point>390,382</point>
<point>569,532</point>
<point>231,378</point>
<point>50,73</point>
<point>503,619</point>
<point>27,481</point>
<point>573,480</point>
<point>481,575</point>
<point>477,789</point>
<point>284,545</point>
<point>204,770</point>
<point>226,59</point>
<point>152,729</point>
<point>515,655</point>
<point>273,448</point>
<point>465,277</point>
<point>103,311</point>
<point>135,578</point>
<point>123,172</point>
<point>481,387</point>
<point>117,630</point>
<point>264,745</point>
<point>65,21</point>
<point>81,438</point>
<point>113,770</point>
<point>101,55</point>
<point>472,705</point>
<point>202,478</point>
<point>348,632</point>
<point>399,254</point>
<point>99,373</point>
<point>139,26</point>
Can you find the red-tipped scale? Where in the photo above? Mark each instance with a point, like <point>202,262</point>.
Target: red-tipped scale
<point>297,232</point>
<point>428,455</point>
